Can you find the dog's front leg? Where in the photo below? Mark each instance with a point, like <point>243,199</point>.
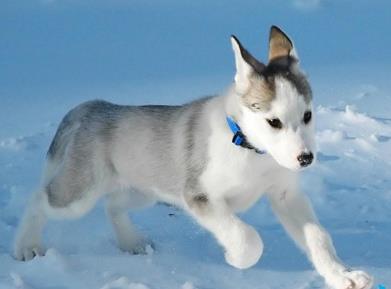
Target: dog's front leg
<point>243,246</point>
<point>296,214</point>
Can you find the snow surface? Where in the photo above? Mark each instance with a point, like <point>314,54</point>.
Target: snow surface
<point>57,54</point>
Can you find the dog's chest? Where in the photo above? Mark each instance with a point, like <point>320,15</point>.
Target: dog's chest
<point>240,178</point>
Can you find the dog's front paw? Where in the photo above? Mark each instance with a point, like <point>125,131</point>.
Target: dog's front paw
<point>350,280</point>
<point>245,248</point>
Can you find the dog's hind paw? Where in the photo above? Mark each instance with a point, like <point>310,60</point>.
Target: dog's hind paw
<point>26,253</point>
<point>141,246</point>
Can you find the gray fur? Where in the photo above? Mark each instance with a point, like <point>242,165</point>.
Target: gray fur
<point>88,120</point>
<point>86,135</point>
<point>75,145</point>
<point>262,90</point>
<point>198,202</point>
<point>282,64</point>
<point>287,67</point>
<point>196,145</point>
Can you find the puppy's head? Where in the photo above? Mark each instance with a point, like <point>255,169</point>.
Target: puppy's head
<point>275,101</point>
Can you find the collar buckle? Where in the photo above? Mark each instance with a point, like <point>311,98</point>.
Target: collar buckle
<point>238,138</point>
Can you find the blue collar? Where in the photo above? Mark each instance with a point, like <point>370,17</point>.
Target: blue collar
<point>239,138</point>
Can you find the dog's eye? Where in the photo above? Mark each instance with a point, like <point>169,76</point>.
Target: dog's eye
<point>307,117</point>
<point>256,106</point>
<point>275,123</point>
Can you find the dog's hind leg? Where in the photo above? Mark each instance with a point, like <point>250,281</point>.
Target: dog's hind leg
<point>65,193</point>
<point>28,242</point>
<point>117,206</point>
<point>28,239</point>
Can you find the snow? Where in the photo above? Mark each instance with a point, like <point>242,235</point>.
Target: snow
<point>146,53</point>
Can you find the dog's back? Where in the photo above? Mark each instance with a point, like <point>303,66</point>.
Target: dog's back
<point>142,147</point>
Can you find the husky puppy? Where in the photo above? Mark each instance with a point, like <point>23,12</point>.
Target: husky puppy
<point>135,156</point>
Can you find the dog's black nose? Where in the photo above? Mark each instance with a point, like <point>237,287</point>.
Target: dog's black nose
<point>305,159</point>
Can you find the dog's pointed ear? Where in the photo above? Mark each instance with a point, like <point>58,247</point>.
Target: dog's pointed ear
<point>280,45</point>
<point>245,63</point>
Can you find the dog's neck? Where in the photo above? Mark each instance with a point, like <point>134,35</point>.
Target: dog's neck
<point>233,115</point>
<point>232,105</point>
